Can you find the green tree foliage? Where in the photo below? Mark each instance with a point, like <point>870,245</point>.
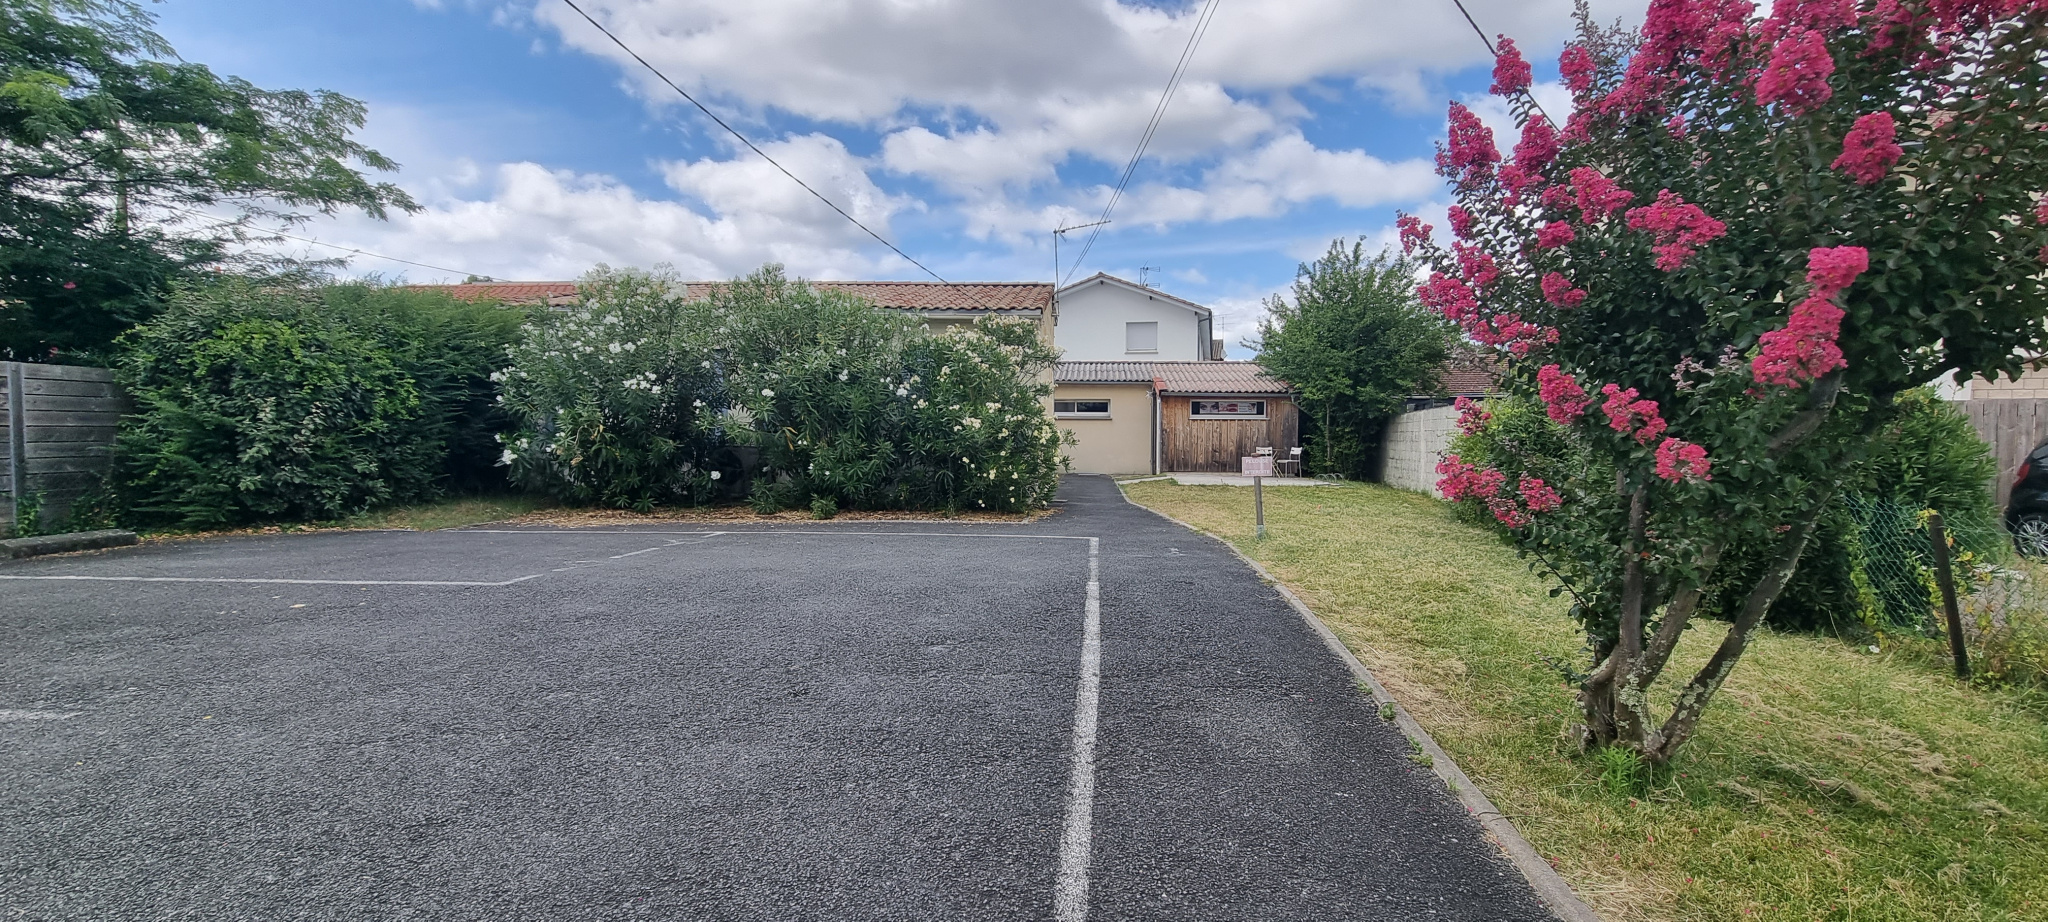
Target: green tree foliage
<point>1751,235</point>
<point>802,398</point>
<point>1356,343</point>
<point>109,146</point>
<point>285,399</point>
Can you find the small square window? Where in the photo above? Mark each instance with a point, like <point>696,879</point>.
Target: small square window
<point>1141,337</point>
<point>1227,409</point>
<point>1080,409</point>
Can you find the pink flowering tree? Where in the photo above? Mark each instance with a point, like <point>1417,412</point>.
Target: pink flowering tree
<point>1716,272</point>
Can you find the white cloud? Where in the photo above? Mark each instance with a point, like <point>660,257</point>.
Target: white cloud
<point>554,224</point>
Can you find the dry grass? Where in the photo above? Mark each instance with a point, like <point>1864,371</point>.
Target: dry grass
<point>1826,782</point>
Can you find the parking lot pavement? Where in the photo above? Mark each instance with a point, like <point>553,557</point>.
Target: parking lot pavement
<point>832,721</point>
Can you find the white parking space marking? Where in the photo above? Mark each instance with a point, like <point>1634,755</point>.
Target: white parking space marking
<point>1070,890</point>
<point>282,582</point>
<point>10,715</point>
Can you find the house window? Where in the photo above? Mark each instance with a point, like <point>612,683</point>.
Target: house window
<point>1141,337</point>
<point>1080,409</point>
<point>1226,409</point>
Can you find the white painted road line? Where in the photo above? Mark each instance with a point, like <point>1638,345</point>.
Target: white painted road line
<point>10,715</point>
<point>1070,890</point>
<point>283,582</point>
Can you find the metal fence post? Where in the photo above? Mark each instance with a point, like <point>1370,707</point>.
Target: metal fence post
<point>17,434</point>
<point>1945,577</point>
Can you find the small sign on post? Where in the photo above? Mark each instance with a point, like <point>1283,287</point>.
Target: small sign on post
<point>1258,467</point>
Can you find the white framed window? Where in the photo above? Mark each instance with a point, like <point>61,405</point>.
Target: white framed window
<point>1141,337</point>
<point>1226,409</point>
<point>1080,409</point>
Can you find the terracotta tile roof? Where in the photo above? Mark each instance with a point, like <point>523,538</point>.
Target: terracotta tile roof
<point>1470,373</point>
<point>1216,378</point>
<point>1103,373</point>
<point>913,296</point>
<point>552,293</point>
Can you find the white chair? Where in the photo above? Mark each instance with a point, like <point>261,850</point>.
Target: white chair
<point>1293,457</point>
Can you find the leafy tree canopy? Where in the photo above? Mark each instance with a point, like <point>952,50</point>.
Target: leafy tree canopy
<point>122,166</point>
<point>1357,343</point>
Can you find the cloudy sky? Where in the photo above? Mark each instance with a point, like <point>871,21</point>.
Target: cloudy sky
<point>961,130</point>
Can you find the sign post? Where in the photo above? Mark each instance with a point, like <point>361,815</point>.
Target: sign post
<point>1259,467</point>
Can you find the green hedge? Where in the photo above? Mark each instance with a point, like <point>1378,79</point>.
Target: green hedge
<point>281,400</point>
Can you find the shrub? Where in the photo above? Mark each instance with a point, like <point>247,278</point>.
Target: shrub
<point>1865,565</point>
<point>254,404</point>
<point>287,399</point>
<point>641,396</point>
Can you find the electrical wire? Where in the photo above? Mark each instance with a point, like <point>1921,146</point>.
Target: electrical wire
<point>750,145</point>
<point>1494,50</point>
<point>1202,20</point>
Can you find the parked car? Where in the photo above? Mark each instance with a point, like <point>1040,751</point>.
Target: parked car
<point>2026,513</point>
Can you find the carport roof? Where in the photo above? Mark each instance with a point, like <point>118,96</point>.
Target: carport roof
<point>1176,377</point>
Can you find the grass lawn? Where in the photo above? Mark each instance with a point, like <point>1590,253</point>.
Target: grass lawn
<point>447,513</point>
<point>1826,782</point>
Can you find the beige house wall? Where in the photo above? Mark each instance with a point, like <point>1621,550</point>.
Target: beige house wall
<point>1121,444</point>
<point>2031,386</point>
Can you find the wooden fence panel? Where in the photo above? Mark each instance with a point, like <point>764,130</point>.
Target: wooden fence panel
<point>2012,428</point>
<point>1217,445</point>
<point>60,423</point>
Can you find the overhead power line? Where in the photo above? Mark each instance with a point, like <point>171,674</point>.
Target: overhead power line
<point>334,246</point>
<point>1180,69</point>
<point>750,145</point>
<point>1494,51</point>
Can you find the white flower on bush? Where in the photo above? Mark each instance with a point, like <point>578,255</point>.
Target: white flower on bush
<point>767,392</point>
<point>715,475</point>
<point>842,376</point>
<point>971,421</point>
<point>506,459</point>
<point>903,392</point>
<point>615,348</point>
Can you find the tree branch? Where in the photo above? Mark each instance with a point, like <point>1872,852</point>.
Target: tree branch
<point>1819,401</point>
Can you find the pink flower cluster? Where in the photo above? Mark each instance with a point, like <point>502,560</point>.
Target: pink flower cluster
<point>1705,31</point>
<point>1461,222</point>
<point>1469,155</point>
<point>1539,145</point>
<point>1596,195</point>
<point>1678,459</point>
<point>1555,234</point>
<point>1511,331</point>
<point>1563,399</point>
<point>1576,64</point>
<point>1509,514</point>
<point>1472,415</point>
<point>1678,227</point>
<point>1558,290</point>
<point>1414,233</point>
<point>1626,414</point>
<point>1476,266</point>
<point>1537,495</point>
<point>1511,74</point>
<point>1870,149</point>
<point>1797,75</point>
<point>1806,348</point>
<point>1461,481</point>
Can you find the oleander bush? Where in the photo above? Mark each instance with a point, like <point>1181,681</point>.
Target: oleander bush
<point>789,396</point>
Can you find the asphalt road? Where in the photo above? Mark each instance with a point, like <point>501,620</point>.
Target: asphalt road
<point>830,722</point>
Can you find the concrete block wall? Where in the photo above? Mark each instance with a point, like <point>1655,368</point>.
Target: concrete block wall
<point>1414,443</point>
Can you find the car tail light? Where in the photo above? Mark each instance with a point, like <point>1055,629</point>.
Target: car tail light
<point>2026,470</point>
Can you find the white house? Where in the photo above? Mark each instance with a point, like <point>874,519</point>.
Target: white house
<point>1103,318</point>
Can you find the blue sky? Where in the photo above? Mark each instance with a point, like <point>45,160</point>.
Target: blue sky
<point>962,131</point>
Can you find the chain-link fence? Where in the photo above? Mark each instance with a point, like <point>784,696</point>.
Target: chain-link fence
<point>2001,584</point>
